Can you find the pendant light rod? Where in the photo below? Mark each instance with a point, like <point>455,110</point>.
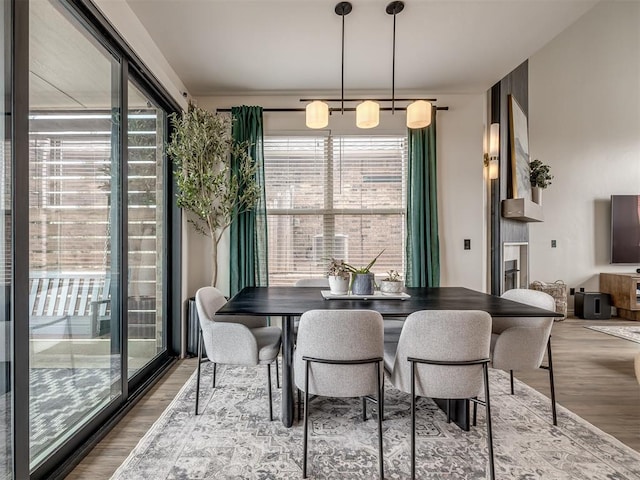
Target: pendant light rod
<point>337,109</point>
<point>361,99</point>
<point>342,9</point>
<point>393,9</point>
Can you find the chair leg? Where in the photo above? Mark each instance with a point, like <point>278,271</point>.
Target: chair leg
<point>199,364</point>
<point>381,404</point>
<point>71,349</point>
<point>306,421</point>
<point>364,409</point>
<point>511,379</point>
<point>380,396</point>
<point>299,405</point>
<point>214,375</point>
<point>551,384</point>
<point>277,374</point>
<point>492,472</point>
<point>475,413</point>
<point>413,420</point>
<point>448,410</point>
<point>269,390</point>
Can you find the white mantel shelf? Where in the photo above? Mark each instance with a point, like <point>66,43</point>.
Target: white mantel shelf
<point>522,209</point>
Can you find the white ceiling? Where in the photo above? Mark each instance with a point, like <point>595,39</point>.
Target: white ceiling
<point>222,47</point>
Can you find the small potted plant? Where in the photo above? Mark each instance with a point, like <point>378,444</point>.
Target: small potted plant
<point>338,275</point>
<point>392,283</point>
<point>362,280</point>
<point>540,179</point>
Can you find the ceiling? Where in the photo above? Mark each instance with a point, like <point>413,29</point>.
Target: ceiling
<point>223,47</point>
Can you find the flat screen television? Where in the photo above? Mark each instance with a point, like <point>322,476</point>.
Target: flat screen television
<point>625,229</point>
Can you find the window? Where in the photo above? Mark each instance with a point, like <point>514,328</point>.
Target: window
<point>340,197</point>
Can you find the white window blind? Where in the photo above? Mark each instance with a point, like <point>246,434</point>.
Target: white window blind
<point>340,197</point>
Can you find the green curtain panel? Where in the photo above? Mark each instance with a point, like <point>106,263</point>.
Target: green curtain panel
<point>248,232</point>
<point>423,246</point>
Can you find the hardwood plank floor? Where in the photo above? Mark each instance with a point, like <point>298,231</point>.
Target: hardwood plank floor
<point>593,371</point>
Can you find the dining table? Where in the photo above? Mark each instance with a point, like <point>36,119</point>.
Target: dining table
<point>289,302</point>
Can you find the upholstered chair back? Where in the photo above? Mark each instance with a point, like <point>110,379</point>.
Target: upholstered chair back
<point>519,343</point>
<point>339,335</point>
<point>452,335</point>
<point>227,338</point>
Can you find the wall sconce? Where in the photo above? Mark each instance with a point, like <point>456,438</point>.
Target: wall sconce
<point>491,158</point>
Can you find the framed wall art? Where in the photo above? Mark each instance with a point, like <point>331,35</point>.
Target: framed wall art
<point>519,139</point>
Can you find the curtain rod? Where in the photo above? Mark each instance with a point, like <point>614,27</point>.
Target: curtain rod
<point>337,109</point>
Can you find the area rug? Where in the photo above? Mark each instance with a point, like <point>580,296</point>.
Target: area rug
<point>233,439</point>
<point>628,333</point>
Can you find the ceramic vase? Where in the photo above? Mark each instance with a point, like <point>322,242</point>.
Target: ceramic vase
<point>339,285</point>
<point>536,195</point>
<point>391,287</point>
<point>363,284</point>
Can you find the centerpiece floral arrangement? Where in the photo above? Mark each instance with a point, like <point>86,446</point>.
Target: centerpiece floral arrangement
<point>362,280</point>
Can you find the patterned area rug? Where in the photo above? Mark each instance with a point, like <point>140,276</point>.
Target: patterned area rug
<point>233,439</point>
<point>628,333</point>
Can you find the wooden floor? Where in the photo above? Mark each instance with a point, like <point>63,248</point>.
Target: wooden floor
<point>594,378</point>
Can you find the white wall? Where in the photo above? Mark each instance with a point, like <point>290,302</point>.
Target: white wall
<point>460,176</point>
<point>131,29</point>
<point>584,121</point>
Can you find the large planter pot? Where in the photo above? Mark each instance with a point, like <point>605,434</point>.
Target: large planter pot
<point>391,287</point>
<point>339,285</point>
<point>363,284</point>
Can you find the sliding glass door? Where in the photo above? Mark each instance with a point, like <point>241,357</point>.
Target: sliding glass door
<point>6,254</point>
<point>98,232</point>
<point>74,208</point>
<point>146,229</point>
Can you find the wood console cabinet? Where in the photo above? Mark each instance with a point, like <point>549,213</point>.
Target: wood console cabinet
<point>624,289</point>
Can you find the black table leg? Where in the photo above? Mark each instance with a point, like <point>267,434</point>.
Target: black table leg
<point>287,371</point>
<point>459,411</point>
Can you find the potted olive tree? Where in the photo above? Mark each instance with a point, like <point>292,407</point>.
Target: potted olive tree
<point>211,191</point>
<point>540,179</point>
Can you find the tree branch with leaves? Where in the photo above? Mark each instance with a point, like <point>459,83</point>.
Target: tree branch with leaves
<point>201,147</point>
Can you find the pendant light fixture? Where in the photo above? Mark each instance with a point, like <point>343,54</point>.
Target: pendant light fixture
<point>419,111</point>
<point>367,114</point>
<point>419,114</point>
<point>317,112</point>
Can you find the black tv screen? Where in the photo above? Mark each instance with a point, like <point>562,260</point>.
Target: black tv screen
<point>625,229</point>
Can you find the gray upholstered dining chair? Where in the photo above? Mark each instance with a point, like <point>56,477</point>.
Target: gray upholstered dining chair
<point>520,343</point>
<point>234,339</point>
<point>443,354</point>
<point>313,282</point>
<point>339,354</point>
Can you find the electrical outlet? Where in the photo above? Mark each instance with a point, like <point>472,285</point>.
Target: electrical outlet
<point>467,244</point>
<point>572,291</point>
<point>553,244</point>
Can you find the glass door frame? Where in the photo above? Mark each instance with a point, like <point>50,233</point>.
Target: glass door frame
<point>69,454</point>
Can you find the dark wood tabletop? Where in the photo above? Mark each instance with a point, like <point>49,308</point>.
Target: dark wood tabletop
<point>294,301</point>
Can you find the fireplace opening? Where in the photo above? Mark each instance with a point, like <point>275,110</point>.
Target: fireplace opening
<point>511,271</point>
<point>515,265</point>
